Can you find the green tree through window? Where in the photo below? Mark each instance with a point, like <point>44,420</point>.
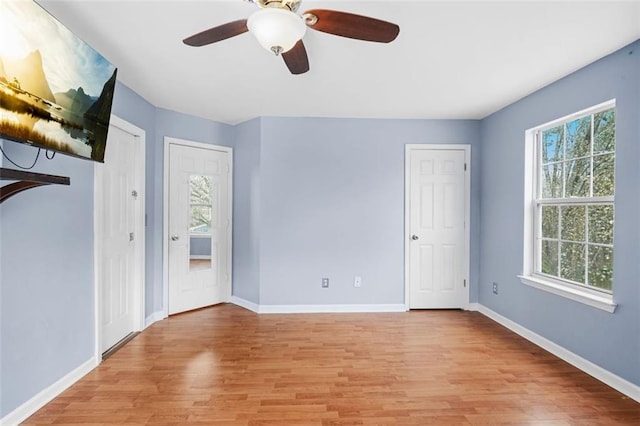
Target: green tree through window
<point>574,202</point>
<point>200,200</point>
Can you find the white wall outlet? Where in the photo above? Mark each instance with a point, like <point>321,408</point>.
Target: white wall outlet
<point>357,281</point>
<point>325,283</point>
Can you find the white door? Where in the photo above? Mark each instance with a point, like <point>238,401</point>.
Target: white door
<point>118,234</point>
<point>199,226</point>
<point>437,211</point>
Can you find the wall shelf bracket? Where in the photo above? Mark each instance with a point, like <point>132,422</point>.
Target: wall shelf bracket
<point>26,180</point>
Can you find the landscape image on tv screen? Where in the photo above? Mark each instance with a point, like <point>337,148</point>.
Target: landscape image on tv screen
<point>55,90</point>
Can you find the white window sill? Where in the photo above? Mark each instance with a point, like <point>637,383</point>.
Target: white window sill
<point>600,301</point>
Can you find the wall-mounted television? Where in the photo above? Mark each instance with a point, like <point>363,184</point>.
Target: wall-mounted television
<point>56,91</point>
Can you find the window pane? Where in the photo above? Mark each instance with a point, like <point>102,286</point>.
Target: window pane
<point>199,253</point>
<point>200,219</point>
<point>552,141</point>
<point>603,175</point>
<point>572,262</point>
<point>601,267</point>
<point>549,257</point>
<point>573,223</point>
<point>601,224</point>
<point>578,180</point>
<point>200,189</point>
<point>550,221</point>
<point>604,127</point>
<point>578,140</point>
<point>551,180</point>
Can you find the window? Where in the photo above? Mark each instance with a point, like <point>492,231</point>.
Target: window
<point>201,221</point>
<point>570,205</point>
<point>200,201</point>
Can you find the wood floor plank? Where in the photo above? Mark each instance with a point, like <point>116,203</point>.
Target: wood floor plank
<point>227,366</point>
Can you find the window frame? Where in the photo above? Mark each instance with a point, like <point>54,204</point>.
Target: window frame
<point>589,295</point>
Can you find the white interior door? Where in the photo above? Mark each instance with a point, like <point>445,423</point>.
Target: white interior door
<point>437,249</point>
<point>118,217</point>
<point>199,226</point>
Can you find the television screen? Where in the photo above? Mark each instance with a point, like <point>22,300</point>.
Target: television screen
<point>55,90</point>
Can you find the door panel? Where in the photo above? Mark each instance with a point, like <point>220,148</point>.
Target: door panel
<point>437,209</point>
<point>116,278</point>
<point>426,270</point>
<point>199,227</point>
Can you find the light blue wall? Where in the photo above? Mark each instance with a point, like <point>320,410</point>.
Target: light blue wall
<point>246,211</point>
<point>332,205</point>
<point>200,246</point>
<point>46,280</point>
<point>320,198</point>
<point>609,340</point>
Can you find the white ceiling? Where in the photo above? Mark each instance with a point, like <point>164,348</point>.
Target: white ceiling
<point>452,59</point>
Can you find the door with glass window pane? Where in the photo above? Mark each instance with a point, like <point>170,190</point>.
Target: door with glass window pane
<point>199,227</point>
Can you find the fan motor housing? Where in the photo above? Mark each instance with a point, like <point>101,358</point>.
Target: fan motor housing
<point>292,5</point>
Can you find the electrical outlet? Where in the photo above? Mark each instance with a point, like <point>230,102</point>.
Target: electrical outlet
<point>495,288</point>
<point>357,281</point>
<point>325,283</point>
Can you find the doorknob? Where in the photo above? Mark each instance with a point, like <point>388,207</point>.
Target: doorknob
<point>175,238</point>
<point>414,237</point>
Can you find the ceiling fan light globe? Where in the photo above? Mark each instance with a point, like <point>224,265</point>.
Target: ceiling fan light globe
<point>276,29</point>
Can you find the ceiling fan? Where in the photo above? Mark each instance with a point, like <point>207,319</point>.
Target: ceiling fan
<point>279,28</point>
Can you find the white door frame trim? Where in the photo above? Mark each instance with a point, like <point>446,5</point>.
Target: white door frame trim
<point>139,230</point>
<point>467,211</point>
<point>165,211</point>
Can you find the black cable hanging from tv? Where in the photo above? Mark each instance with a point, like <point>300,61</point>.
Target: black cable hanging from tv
<point>18,165</point>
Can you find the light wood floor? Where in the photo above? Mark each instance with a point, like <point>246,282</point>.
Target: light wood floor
<point>226,365</point>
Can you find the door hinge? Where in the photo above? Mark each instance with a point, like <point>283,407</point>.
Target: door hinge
<point>130,236</point>
<point>465,282</point>
<point>134,194</point>
<point>465,167</point>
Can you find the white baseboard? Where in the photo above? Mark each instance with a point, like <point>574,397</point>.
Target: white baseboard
<point>629,389</point>
<point>154,317</point>
<point>43,397</point>
<point>474,307</point>
<point>316,309</point>
<point>243,303</point>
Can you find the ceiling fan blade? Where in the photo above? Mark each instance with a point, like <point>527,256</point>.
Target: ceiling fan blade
<point>353,26</point>
<point>219,33</point>
<point>296,59</point>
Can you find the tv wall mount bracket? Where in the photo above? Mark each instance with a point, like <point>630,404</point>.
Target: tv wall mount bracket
<point>26,180</point>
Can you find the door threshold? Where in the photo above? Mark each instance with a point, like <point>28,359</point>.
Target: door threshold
<point>113,349</point>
